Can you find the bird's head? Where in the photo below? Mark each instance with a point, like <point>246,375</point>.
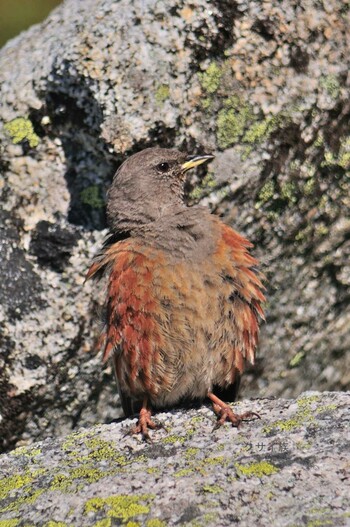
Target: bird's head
<point>147,185</point>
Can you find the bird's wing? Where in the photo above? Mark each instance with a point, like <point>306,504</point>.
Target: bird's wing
<point>131,336</point>
<point>243,295</point>
<point>130,406</point>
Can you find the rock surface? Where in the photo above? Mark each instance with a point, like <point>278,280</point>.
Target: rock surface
<point>263,85</point>
<point>291,468</point>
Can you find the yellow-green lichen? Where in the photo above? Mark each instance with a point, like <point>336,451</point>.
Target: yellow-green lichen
<point>344,153</point>
<point>342,158</point>
<point>297,359</point>
<point>17,481</point>
<point>286,425</point>
<point>294,165</point>
<point>162,93</point>
<point>191,453</point>
<point>133,524</point>
<point>92,196</point>
<point>155,522</point>
<point>152,470</point>
<point>259,469</point>
<point>211,78</point>
<point>55,524</point>
<point>319,141</point>
<point>303,445</point>
<point>272,216</point>
<point>232,121</point>
<point>209,517</point>
<point>87,472</point>
<point>324,202</point>
<point>171,439</point>
<point>261,130</point>
<point>309,186</point>
<point>321,230</point>
<point>206,103</point>
<point>197,419</point>
<point>64,482</point>
<point>288,192</point>
<point>72,441</point>
<point>305,414</point>
<point>238,122</point>
<point>122,507</point>
<point>304,402</point>
<point>204,520</point>
<point>9,523</point>
<point>206,185</point>
<point>309,169</point>
<point>266,193</point>
<point>218,460</point>
<point>71,511</point>
<point>257,132</point>
<point>303,234</point>
<point>21,129</point>
<point>183,472</point>
<point>319,523</point>
<point>29,497</point>
<point>106,522</point>
<point>329,159</point>
<point>104,450</point>
<point>100,450</point>
<point>325,408</point>
<point>331,84</point>
<point>141,458</point>
<point>27,452</point>
<point>212,489</point>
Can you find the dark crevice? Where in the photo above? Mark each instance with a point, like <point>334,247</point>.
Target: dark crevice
<point>76,122</point>
<point>52,244</point>
<point>23,286</point>
<point>204,42</point>
<point>264,28</point>
<point>299,59</point>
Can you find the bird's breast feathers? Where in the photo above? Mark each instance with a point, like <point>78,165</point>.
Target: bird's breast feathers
<point>164,315</point>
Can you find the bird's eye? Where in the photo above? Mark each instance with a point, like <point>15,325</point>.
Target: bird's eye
<point>163,167</point>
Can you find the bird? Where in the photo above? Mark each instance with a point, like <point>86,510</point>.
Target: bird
<point>184,297</point>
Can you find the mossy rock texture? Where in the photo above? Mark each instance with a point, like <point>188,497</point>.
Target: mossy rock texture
<point>262,85</point>
<point>287,469</point>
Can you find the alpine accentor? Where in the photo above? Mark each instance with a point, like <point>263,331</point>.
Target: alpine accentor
<point>183,300</point>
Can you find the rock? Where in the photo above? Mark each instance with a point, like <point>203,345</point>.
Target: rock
<point>264,86</point>
<point>289,468</point>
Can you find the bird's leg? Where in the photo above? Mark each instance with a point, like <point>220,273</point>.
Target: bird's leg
<point>145,422</point>
<point>225,412</point>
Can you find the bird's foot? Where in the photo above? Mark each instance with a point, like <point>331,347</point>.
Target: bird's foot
<point>225,413</point>
<point>145,423</point>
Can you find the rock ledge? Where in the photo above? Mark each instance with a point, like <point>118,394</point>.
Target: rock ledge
<point>290,468</point>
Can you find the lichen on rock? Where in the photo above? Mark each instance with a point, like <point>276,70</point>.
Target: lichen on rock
<point>263,473</point>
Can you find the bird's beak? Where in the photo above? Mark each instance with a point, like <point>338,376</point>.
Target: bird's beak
<point>194,161</point>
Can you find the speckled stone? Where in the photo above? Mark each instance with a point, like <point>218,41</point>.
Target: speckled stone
<point>288,469</point>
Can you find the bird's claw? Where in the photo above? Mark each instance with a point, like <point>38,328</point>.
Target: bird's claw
<point>145,423</point>
<point>226,413</point>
